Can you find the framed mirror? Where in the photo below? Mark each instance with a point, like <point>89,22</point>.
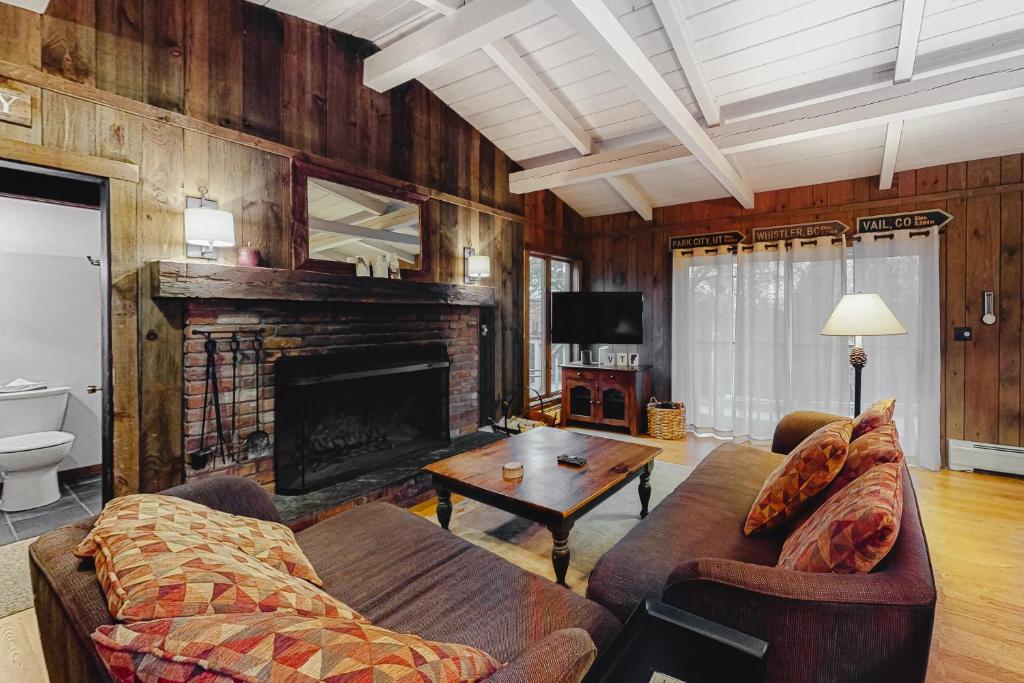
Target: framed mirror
<point>349,225</point>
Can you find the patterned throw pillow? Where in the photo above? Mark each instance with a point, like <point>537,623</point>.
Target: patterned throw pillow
<point>268,542</point>
<point>264,648</point>
<point>152,574</point>
<point>879,446</point>
<point>854,530</point>
<point>806,471</point>
<point>878,413</point>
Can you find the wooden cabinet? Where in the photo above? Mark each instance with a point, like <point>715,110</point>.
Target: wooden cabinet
<point>612,396</point>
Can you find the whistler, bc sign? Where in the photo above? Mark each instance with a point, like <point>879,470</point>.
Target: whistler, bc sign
<point>909,220</point>
<point>800,231</point>
<point>710,239</point>
<point>15,104</point>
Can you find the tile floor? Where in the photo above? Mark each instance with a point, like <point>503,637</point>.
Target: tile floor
<point>78,499</point>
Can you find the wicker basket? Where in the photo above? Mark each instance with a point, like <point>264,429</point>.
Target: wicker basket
<point>666,420</point>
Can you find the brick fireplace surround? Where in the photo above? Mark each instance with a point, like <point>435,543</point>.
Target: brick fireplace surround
<point>292,328</point>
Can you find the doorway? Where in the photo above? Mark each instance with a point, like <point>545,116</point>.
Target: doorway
<point>55,368</point>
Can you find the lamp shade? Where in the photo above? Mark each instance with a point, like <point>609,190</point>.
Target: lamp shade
<point>209,227</point>
<point>862,315</point>
<point>479,266</point>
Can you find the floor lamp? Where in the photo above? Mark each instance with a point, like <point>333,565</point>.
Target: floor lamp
<point>861,315</point>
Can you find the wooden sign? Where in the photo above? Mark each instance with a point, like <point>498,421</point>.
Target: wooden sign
<point>800,231</point>
<point>15,104</point>
<point>909,220</point>
<point>710,239</point>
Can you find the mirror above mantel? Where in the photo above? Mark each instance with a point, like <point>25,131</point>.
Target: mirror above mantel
<point>350,225</point>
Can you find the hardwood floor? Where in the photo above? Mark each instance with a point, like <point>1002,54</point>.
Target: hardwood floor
<point>975,528</point>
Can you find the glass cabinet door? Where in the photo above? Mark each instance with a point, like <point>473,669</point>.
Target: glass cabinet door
<point>581,400</point>
<point>613,404</point>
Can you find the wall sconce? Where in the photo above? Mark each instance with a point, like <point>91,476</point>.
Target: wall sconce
<point>207,228</point>
<point>477,267</point>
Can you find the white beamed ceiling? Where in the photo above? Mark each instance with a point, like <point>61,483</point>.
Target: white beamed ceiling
<point>757,56</point>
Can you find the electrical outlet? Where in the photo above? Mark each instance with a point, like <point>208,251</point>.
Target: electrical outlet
<point>963,334</point>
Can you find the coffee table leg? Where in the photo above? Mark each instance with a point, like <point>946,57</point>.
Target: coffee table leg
<point>645,489</point>
<point>560,549</point>
<point>444,505</point>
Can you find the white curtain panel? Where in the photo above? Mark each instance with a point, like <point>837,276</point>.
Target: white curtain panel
<point>904,271</point>
<point>746,337</point>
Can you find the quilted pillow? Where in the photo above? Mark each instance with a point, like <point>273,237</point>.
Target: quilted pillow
<point>806,471</point>
<point>266,648</point>
<point>854,530</point>
<point>268,542</point>
<point>152,574</point>
<point>878,413</point>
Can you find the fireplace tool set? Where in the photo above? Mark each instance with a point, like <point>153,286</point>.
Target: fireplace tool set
<point>231,448</point>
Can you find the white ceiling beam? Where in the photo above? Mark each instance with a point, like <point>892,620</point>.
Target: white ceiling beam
<point>600,28</point>
<point>38,6</point>
<point>910,35</point>
<point>893,133</point>
<point>507,58</point>
<point>456,35</point>
<point>963,89</point>
<point>672,16</point>
<point>365,200</point>
<point>630,190</point>
<point>339,228</point>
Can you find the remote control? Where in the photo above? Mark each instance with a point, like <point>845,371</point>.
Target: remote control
<point>572,460</point>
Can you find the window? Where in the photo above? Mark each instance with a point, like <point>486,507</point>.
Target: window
<point>547,274</point>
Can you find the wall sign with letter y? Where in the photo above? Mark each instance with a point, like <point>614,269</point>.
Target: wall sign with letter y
<point>16,103</point>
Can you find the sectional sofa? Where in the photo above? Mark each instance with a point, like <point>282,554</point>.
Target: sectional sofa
<point>406,574</point>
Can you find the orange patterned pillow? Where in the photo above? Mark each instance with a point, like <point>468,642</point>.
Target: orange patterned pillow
<point>854,530</point>
<point>268,542</point>
<point>878,413</point>
<point>806,471</point>
<point>153,574</point>
<point>879,446</point>
<point>272,648</point>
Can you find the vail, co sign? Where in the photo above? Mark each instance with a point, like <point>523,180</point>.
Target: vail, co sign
<point>909,220</point>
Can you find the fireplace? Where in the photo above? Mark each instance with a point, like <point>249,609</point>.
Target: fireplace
<point>353,411</point>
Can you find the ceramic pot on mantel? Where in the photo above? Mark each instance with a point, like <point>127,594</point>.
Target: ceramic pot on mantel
<point>249,256</point>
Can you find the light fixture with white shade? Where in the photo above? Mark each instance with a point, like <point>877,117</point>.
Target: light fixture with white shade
<point>477,266</point>
<point>861,315</point>
<point>207,228</point>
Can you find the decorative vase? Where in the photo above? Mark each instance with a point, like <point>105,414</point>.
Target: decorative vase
<point>248,256</point>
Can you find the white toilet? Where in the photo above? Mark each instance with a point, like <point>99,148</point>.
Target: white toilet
<point>31,447</point>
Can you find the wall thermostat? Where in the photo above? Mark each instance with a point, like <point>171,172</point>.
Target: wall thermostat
<point>988,306</point>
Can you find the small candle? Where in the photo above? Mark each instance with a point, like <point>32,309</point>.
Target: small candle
<point>248,255</point>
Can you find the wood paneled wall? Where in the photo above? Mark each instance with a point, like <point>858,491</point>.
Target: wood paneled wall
<point>226,93</point>
<point>981,250</point>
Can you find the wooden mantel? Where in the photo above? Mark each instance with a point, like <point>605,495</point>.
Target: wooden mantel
<point>191,280</point>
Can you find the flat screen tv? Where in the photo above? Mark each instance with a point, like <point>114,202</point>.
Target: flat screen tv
<point>597,317</point>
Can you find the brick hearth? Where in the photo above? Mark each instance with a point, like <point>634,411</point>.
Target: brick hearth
<point>314,328</point>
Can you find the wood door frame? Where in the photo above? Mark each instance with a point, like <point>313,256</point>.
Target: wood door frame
<point>302,171</point>
<point>106,302</point>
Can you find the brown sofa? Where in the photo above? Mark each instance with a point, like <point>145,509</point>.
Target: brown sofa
<point>397,569</point>
<point>820,627</point>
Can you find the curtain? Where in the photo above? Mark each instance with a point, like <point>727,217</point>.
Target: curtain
<point>746,337</point>
<point>904,271</point>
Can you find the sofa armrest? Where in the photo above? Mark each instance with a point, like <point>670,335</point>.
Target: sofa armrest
<point>797,426</point>
<point>564,656</point>
<point>884,617</point>
<point>234,495</point>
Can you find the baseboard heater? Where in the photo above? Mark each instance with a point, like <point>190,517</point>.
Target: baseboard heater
<point>965,456</point>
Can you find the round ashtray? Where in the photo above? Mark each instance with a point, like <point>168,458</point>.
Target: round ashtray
<point>512,470</point>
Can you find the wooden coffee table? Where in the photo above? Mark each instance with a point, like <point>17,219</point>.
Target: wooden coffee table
<point>549,493</point>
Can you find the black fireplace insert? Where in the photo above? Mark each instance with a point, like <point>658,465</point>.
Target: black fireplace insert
<point>353,411</point>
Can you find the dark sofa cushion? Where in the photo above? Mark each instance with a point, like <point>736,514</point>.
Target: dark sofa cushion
<point>703,517</point>
<point>406,574</point>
